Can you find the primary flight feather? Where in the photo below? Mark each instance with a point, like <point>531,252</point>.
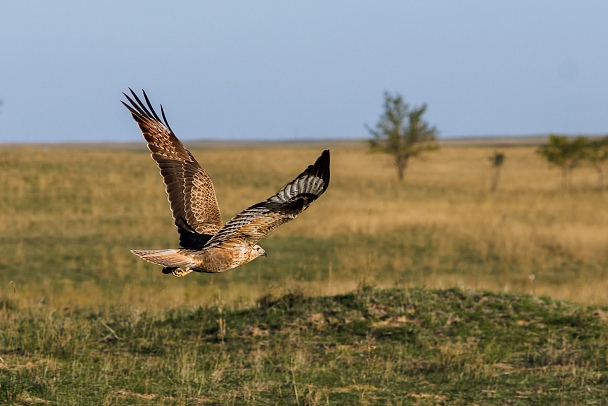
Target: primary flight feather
<point>209,245</point>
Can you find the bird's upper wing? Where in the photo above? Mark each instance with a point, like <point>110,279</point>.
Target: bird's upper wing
<point>255,222</point>
<point>191,193</point>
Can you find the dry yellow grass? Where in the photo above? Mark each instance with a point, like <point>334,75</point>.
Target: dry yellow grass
<point>68,217</point>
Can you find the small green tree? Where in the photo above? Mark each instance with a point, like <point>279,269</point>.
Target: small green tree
<point>497,160</point>
<point>565,153</point>
<point>402,132</point>
<point>596,153</point>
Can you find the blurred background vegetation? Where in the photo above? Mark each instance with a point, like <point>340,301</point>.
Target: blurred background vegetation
<point>70,214</point>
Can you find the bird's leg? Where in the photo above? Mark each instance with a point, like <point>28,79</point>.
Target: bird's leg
<point>181,272</point>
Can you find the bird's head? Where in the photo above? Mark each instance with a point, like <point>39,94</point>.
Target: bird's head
<point>257,251</point>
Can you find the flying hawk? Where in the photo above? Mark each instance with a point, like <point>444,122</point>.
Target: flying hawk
<point>209,245</point>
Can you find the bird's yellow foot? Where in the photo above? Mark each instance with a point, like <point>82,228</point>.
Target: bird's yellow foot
<point>181,272</point>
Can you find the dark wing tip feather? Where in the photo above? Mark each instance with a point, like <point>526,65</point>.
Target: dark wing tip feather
<point>321,168</point>
<point>162,112</point>
<point>140,110</point>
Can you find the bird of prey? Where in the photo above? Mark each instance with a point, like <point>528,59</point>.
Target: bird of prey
<point>207,244</point>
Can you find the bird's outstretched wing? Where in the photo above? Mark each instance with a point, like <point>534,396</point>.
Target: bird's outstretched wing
<point>255,222</point>
<point>191,193</point>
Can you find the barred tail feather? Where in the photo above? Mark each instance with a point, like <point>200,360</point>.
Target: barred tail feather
<point>173,258</point>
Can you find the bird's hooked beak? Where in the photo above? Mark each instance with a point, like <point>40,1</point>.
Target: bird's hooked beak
<point>265,254</point>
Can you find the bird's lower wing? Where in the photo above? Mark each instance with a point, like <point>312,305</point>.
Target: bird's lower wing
<point>255,222</point>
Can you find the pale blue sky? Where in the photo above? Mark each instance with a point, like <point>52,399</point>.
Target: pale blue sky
<point>305,69</point>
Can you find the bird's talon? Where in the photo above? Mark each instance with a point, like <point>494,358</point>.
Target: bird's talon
<point>181,272</point>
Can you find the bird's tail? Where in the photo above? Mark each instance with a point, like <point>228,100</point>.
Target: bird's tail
<point>169,258</point>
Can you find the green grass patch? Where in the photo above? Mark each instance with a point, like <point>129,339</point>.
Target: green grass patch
<point>369,346</point>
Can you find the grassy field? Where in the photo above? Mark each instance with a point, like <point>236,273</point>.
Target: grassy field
<point>79,309</point>
<point>394,346</point>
